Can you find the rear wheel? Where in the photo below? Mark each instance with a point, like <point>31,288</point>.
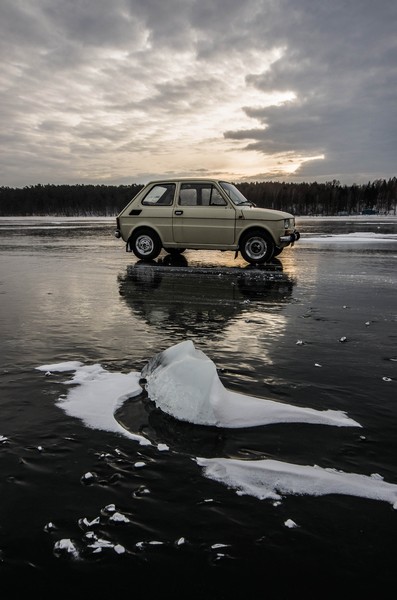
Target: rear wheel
<point>256,247</point>
<point>145,244</point>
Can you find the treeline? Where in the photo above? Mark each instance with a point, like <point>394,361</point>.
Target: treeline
<point>329,198</point>
<point>66,200</point>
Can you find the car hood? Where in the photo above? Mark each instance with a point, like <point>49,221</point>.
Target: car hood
<point>253,212</point>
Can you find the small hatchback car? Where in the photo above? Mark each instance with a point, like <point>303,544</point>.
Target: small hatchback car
<point>202,214</point>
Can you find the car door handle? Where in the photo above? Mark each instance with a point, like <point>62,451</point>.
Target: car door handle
<point>179,212</point>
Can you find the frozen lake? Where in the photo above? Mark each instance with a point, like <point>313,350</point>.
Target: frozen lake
<point>285,477</point>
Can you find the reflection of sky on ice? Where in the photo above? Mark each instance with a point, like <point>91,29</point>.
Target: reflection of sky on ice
<point>270,325</point>
<point>182,372</point>
<point>356,237</point>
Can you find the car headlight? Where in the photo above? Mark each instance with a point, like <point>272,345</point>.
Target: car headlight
<point>287,223</point>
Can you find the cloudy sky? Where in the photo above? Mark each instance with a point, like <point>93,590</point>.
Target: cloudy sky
<point>123,91</point>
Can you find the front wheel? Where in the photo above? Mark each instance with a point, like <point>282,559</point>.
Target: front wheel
<point>257,247</point>
<point>145,244</point>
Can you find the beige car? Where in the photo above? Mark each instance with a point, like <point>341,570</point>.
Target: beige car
<point>202,214</point>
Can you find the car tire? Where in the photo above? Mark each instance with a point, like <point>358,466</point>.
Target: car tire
<point>256,247</point>
<point>145,244</point>
<point>277,251</point>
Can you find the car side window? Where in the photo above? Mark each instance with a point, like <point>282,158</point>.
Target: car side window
<point>160,195</point>
<point>198,194</point>
<point>188,196</point>
<point>211,197</point>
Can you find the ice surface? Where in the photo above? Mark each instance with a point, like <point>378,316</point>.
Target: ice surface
<point>183,382</point>
<point>272,479</point>
<point>356,237</point>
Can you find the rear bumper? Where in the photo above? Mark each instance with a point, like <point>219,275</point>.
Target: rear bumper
<point>290,238</point>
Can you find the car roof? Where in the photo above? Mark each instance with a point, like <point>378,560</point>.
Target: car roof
<point>185,180</point>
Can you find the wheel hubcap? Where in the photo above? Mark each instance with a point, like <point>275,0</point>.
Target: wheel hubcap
<point>256,248</point>
<point>144,244</point>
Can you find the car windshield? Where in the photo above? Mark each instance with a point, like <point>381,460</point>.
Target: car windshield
<point>235,196</point>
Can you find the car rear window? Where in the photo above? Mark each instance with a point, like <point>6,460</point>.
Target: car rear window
<point>160,195</point>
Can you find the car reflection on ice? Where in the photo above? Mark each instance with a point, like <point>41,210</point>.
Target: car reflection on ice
<point>197,298</point>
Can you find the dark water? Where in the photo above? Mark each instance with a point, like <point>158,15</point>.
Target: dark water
<point>69,292</point>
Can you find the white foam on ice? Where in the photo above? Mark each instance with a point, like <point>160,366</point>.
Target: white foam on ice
<point>71,365</point>
<point>183,382</point>
<point>273,479</point>
<point>97,396</point>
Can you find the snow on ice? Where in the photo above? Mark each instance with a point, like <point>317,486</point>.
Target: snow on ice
<point>183,381</point>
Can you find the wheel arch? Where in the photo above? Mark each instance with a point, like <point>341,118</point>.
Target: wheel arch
<point>142,228</point>
<point>252,229</point>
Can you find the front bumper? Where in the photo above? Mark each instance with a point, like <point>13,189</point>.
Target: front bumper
<point>117,234</point>
<point>290,238</point>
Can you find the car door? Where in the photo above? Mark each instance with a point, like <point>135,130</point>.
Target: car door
<point>203,217</point>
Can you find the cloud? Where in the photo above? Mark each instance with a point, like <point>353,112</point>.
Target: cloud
<point>99,92</point>
<point>341,65</point>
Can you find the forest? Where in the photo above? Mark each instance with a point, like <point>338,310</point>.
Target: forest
<point>325,199</point>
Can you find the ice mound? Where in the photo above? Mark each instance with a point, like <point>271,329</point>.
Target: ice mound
<point>183,382</point>
<point>272,479</point>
